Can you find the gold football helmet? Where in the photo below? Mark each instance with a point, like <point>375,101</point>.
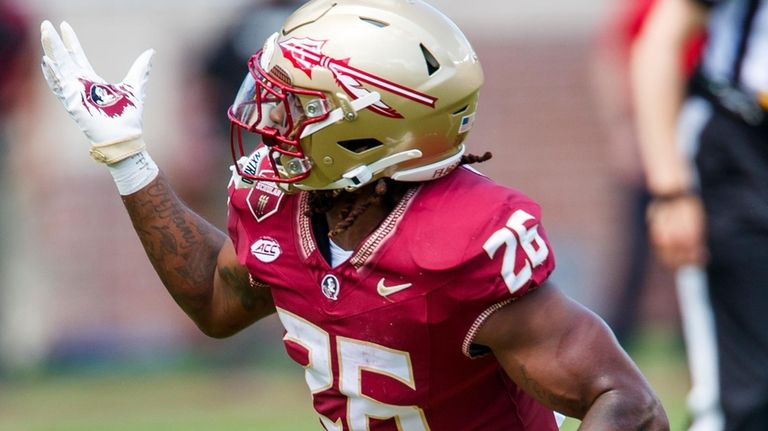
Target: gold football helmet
<point>354,90</point>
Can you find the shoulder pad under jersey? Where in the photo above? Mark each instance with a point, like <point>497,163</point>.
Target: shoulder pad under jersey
<point>458,215</point>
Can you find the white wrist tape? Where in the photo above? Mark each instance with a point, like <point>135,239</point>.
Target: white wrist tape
<point>113,152</point>
<point>133,173</point>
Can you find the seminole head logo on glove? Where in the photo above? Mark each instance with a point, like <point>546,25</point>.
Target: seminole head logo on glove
<point>108,98</point>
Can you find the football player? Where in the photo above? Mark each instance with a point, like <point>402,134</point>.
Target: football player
<point>411,288</point>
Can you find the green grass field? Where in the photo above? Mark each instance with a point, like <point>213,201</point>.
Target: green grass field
<point>274,399</point>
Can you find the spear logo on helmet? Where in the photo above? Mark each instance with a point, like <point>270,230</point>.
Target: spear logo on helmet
<point>305,54</point>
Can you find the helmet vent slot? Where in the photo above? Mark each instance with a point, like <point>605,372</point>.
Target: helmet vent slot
<point>460,110</point>
<point>432,64</point>
<point>377,23</point>
<point>358,146</point>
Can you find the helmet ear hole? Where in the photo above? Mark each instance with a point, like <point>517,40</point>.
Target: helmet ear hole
<point>358,146</point>
<point>432,64</point>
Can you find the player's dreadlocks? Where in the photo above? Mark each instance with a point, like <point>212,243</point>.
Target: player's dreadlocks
<point>387,192</point>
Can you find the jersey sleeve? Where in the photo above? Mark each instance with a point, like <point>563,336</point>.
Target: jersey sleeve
<point>518,252</point>
<point>509,254</point>
<point>497,253</point>
<point>516,258</point>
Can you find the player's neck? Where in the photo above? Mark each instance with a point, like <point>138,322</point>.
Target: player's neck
<point>353,235</point>
<point>365,223</point>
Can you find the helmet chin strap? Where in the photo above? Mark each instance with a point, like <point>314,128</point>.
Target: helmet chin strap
<point>361,175</point>
<point>431,171</point>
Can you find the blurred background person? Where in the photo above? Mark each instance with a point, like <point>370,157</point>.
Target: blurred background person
<point>16,53</point>
<point>20,337</point>
<point>703,142</point>
<point>610,77</point>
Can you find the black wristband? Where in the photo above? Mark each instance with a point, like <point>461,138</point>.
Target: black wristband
<point>671,196</point>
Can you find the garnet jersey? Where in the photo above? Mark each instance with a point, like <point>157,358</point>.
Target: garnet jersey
<point>386,337</point>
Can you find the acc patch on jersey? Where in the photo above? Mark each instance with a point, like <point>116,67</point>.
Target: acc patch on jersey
<point>266,249</point>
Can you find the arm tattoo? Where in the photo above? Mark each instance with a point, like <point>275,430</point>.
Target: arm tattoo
<point>250,297</point>
<point>181,245</point>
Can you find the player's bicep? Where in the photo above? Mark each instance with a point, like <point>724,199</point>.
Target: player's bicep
<point>237,300</point>
<point>556,350</point>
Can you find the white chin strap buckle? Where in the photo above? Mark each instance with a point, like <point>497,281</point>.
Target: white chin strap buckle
<point>362,174</point>
<point>358,176</point>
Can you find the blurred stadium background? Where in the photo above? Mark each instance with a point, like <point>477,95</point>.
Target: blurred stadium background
<point>89,339</point>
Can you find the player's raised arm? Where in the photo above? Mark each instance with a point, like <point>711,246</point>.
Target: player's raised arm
<point>195,261</point>
<point>567,358</point>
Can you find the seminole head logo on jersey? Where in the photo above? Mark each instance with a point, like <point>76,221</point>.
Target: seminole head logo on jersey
<point>330,287</point>
<point>306,54</point>
<point>107,98</point>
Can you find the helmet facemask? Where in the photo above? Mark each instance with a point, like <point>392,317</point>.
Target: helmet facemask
<point>279,114</point>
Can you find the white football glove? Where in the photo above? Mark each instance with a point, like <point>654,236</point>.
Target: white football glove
<point>110,115</point>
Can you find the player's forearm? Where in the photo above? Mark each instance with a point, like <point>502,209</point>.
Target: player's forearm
<point>658,83</point>
<point>658,93</point>
<point>181,245</point>
<point>625,410</point>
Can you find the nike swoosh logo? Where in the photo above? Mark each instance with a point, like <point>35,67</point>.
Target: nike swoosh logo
<point>384,290</point>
